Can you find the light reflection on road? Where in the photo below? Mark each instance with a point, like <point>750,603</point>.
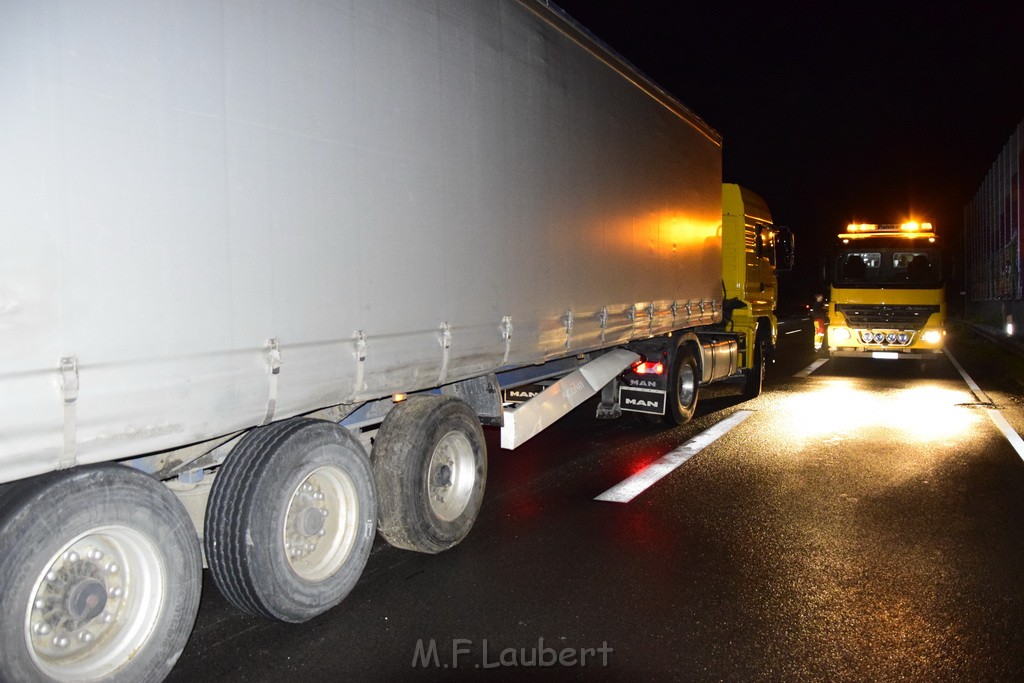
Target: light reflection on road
<point>839,406</point>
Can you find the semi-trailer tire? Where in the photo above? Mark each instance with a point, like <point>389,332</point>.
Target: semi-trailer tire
<point>683,382</point>
<point>290,521</point>
<point>753,378</point>
<point>101,572</point>
<point>430,462</point>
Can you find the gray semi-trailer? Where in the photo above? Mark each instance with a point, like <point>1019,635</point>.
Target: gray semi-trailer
<point>240,239</point>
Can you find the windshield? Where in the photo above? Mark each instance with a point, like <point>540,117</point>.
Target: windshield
<point>888,268</point>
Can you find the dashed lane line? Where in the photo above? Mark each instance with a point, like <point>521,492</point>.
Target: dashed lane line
<point>628,489</point>
<point>811,368</point>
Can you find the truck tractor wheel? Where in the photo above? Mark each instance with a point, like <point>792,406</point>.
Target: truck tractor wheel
<point>753,378</point>
<point>430,462</point>
<point>682,386</point>
<point>290,521</point>
<point>101,572</point>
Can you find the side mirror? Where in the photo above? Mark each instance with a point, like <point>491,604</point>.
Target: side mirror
<point>784,255</point>
<point>823,271</point>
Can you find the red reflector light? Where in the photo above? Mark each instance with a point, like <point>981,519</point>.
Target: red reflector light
<point>645,367</point>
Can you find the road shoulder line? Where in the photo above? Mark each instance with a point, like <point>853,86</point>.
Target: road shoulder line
<point>997,417</point>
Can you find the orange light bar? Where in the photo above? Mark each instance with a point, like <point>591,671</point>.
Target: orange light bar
<point>914,226</point>
<point>910,228</point>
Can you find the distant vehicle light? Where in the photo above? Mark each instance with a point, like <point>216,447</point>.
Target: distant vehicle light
<point>862,227</point>
<point>932,336</point>
<point>914,226</point>
<point>645,367</point>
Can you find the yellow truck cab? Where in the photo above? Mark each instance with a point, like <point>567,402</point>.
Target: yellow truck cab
<point>751,247</point>
<point>664,382</point>
<point>888,298</point>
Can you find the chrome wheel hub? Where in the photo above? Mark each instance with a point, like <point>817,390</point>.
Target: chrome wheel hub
<point>321,524</point>
<point>451,476</point>
<point>94,604</point>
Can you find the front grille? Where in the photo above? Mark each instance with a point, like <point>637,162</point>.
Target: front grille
<point>888,316</point>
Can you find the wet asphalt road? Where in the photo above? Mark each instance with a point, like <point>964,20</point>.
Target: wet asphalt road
<point>864,523</point>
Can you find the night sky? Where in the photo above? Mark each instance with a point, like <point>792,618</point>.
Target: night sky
<point>837,111</point>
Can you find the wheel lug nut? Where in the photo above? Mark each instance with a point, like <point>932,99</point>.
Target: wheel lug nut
<point>112,568</point>
<point>43,629</point>
<point>85,637</point>
<point>51,575</point>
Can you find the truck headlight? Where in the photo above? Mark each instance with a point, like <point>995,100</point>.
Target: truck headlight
<point>931,336</point>
<point>841,333</point>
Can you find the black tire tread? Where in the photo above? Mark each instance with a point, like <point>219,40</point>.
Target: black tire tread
<point>673,414</point>
<point>228,513</point>
<point>234,504</point>
<point>24,503</point>
<point>753,378</point>
<point>400,523</point>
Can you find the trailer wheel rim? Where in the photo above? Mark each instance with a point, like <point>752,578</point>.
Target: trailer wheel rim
<point>686,388</point>
<point>91,609</point>
<point>321,524</point>
<point>451,476</point>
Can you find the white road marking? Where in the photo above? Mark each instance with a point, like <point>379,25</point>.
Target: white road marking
<point>811,368</point>
<point>794,331</point>
<point>975,389</point>
<point>997,417</point>
<point>1011,436</point>
<point>628,489</point>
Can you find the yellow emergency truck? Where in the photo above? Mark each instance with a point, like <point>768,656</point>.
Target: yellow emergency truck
<point>887,292</point>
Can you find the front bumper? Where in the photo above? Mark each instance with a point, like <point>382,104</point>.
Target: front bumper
<point>886,353</point>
